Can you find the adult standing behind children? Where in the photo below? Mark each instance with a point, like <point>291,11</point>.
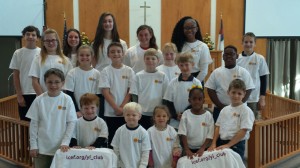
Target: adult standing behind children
<point>71,45</point>
<point>106,33</point>
<point>20,64</point>
<point>219,80</point>
<point>187,38</point>
<point>51,57</point>
<point>258,69</point>
<point>134,56</point>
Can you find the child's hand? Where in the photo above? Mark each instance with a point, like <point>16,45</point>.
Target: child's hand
<point>189,154</point>
<point>34,153</point>
<point>200,152</point>
<point>64,148</point>
<point>119,111</point>
<point>223,147</point>
<point>90,147</point>
<point>179,116</point>
<point>79,114</point>
<point>21,101</point>
<point>76,147</point>
<point>176,152</point>
<point>211,148</point>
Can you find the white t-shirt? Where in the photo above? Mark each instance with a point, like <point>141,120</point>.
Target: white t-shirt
<point>202,58</point>
<point>52,115</point>
<point>162,144</point>
<point>150,89</point>
<point>134,58</point>
<point>21,61</point>
<point>131,144</point>
<point>74,59</point>
<point>197,128</point>
<point>103,59</point>
<point>232,119</point>
<point>80,82</point>
<point>171,72</point>
<point>52,61</point>
<point>221,77</point>
<point>118,81</point>
<point>256,66</point>
<point>225,158</point>
<point>86,132</point>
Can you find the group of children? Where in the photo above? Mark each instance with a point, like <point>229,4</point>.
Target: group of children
<point>135,100</point>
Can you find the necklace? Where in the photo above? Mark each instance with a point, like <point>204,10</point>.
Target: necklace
<point>193,49</point>
<point>160,129</point>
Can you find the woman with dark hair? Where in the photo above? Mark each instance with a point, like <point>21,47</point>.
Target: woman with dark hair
<point>187,38</point>
<point>71,43</point>
<point>106,33</point>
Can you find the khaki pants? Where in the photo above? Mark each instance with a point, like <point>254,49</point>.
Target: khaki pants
<point>43,161</point>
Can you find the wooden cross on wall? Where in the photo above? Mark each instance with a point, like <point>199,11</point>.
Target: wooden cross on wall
<point>145,8</point>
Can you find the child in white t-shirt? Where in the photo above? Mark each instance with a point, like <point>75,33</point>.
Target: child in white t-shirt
<point>115,80</point>
<point>52,122</point>
<point>51,57</point>
<point>20,64</point>
<point>83,78</point>
<point>164,140</point>
<point>149,86</point>
<point>90,131</point>
<point>169,67</point>
<point>176,96</point>
<point>196,126</point>
<point>131,142</point>
<point>235,121</point>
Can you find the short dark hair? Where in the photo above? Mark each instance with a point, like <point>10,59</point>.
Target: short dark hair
<point>249,34</point>
<point>237,84</point>
<point>232,47</point>
<point>117,44</point>
<point>162,107</point>
<point>31,28</point>
<point>196,88</point>
<point>54,71</point>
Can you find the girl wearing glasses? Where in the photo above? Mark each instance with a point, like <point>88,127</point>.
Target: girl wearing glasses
<point>51,57</point>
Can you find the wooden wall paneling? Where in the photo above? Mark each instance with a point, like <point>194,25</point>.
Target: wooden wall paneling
<point>173,10</point>
<point>90,11</point>
<point>233,25</point>
<point>55,15</point>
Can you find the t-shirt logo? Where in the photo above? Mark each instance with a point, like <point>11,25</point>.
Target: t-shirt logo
<point>137,140</point>
<point>97,129</point>
<point>252,63</point>
<point>204,124</point>
<point>125,77</point>
<point>157,81</point>
<point>176,73</point>
<point>92,79</point>
<point>236,76</point>
<point>61,108</point>
<point>236,114</point>
<point>169,139</point>
<point>60,62</point>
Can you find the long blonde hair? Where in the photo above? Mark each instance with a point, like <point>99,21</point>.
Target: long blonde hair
<point>44,52</point>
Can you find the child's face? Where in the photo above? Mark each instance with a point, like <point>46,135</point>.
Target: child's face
<point>73,39</point>
<point>248,44</point>
<point>132,118</point>
<point>144,37</point>
<point>115,53</point>
<point>85,57</point>
<point>229,57</point>
<point>54,85</point>
<point>50,43</point>
<point>108,23</point>
<point>196,100</point>
<point>236,96</point>
<point>161,118</point>
<point>89,111</point>
<point>169,55</point>
<point>190,29</point>
<point>151,61</point>
<point>30,38</point>
<point>185,67</point>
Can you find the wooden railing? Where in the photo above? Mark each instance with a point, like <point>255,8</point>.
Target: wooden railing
<point>9,107</point>
<point>14,141</point>
<point>277,106</point>
<point>274,139</point>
